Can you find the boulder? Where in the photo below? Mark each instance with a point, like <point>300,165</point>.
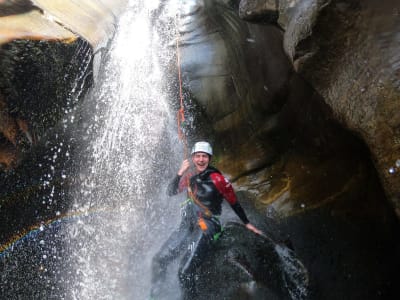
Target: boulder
<point>251,267</point>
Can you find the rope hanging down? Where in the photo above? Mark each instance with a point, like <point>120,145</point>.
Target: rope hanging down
<point>181,111</point>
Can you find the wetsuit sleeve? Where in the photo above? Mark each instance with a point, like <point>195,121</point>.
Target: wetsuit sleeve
<point>177,185</point>
<point>173,187</point>
<point>226,190</point>
<point>238,209</point>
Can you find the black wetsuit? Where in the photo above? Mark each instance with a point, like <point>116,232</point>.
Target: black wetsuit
<point>199,226</point>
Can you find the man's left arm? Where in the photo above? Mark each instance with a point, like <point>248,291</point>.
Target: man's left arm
<point>226,189</point>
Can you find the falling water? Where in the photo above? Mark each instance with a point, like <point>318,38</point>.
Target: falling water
<point>129,140</point>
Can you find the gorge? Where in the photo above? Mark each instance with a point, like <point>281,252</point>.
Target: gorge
<point>300,99</point>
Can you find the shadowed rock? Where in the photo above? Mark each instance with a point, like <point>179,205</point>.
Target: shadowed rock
<point>348,52</point>
<point>48,49</point>
<point>244,265</point>
<point>13,7</point>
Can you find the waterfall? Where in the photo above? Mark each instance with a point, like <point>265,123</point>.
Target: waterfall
<point>121,182</point>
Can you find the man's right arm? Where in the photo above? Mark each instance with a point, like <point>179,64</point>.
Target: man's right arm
<point>173,187</point>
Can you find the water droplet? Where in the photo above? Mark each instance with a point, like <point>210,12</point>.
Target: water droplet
<point>392,170</point>
<point>303,205</point>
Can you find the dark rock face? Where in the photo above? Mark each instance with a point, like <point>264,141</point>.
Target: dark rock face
<point>257,10</point>
<point>349,53</point>
<point>38,84</point>
<point>45,72</point>
<point>46,56</point>
<point>12,7</point>
<point>239,75</point>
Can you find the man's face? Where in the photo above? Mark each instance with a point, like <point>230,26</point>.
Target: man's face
<point>200,161</point>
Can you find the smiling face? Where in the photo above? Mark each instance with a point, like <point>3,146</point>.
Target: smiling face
<point>200,161</point>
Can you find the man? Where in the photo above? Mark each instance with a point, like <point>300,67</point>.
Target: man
<point>200,224</point>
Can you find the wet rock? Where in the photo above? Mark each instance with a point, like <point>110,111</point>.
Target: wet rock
<point>251,267</point>
<point>49,48</point>
<point>259,10</point>
<point>237,74</point>
<point>93,21</point>
<point>37,84</point>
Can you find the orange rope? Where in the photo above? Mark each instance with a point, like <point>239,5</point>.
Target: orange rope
<point>181,111</point>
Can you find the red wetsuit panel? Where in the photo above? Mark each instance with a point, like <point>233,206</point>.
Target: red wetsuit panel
<point>224,187</point>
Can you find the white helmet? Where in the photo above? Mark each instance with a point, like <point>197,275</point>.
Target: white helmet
<point>202,147</point>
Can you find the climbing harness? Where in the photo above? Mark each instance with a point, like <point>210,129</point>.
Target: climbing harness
<point>202,224</point>
<point>206,210</point>
<point>186,202</point>
<point>217,235</point>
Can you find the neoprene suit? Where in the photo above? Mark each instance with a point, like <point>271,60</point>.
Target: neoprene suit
<point>199,226</point>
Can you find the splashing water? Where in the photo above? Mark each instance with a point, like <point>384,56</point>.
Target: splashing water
<point>294,274</point>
